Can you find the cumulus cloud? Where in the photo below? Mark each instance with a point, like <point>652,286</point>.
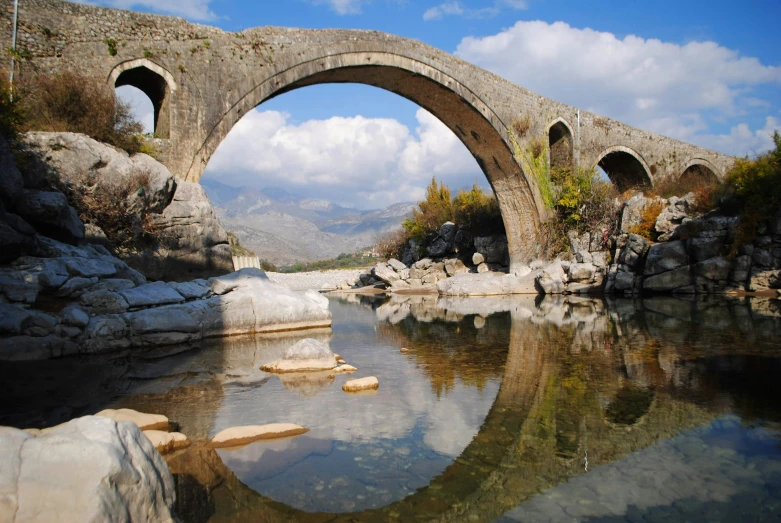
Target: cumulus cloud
<point>661,86</point>
<point>366,162</point>
<point>458,9</point>
<point>192,9</point>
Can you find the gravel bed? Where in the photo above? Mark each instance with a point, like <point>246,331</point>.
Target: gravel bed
<point>300,281</point>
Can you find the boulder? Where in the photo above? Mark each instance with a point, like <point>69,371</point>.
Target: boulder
<point>151,295</point>
<point>439,247</point>
<point>104,302</point>
<point>361,384</point>
<point>191,290</point>
<point>142,420</point>
<point>89,469</point>
<point>632,214</point>
<point>493,248</point>
<point>74,156</point>
<point>166,442</point>
<point>633,250</point>
<point>716,269</point>
<point>477,259</point>
<point>455,266</point>
<point>665,256</point>
<point>396,265</point>
<point>669,281</point>
<point>385,273</point>
<point>483,268</point>
<point>195,244</point>
<point>706,248</point>
<point>72,315</point>
<point>11,181</point>
<point>488,284</point>
<point>236,436</point>
<point>307,355</point>
<point>17,237</point>
<point>51,215</point>
<point>581,272</point>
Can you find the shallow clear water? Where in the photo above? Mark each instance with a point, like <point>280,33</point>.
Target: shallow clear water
<point>509,409</point>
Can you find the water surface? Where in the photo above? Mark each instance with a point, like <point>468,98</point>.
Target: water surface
<point>509,409</point>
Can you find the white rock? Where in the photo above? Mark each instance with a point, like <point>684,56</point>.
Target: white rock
<point>89,469</point>
<point>344,368</point>
<point>235,436</point>
<point>477,258</point>
<point>307,355</point>
<point>368,383</point>
<point>167,441</point>
<point>142,420</point>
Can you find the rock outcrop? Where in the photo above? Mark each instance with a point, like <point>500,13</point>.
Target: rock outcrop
<point>190,242</point>
<point>104,306</point>
<point>89,469</point>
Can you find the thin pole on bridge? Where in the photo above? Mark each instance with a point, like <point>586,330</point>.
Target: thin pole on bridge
<point>13,48</point>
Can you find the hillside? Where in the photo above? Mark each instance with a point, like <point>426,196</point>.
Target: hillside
<point>284,229</point>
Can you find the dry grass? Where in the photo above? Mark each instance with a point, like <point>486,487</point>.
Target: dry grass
<point>68,102</point>
<point>521,126</point>
<point>392,244</point>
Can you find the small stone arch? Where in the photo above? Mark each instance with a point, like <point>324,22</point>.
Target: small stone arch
<point>625,167</point>
<point>561,144</point>
<point>701,169</point>
<point>154,81</point>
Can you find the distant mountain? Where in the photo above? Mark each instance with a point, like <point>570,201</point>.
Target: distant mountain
<point>284,228</point>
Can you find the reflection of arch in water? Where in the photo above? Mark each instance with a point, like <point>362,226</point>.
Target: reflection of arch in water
<point>511,458</point>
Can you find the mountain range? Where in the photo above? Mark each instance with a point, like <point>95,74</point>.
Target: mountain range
<point>284,228</point>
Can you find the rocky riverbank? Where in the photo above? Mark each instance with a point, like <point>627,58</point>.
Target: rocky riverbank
<point>693,254</point>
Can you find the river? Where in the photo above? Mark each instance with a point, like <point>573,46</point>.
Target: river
<point>506,409</point>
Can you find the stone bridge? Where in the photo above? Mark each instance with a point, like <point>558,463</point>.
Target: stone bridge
<point>202,80</point>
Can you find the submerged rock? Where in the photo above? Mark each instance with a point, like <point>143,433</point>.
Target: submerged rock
<point>167,441</point>
<point>235,436</point>
<point>368,383</point>
<point>307,355</point>
<point>89,469</point>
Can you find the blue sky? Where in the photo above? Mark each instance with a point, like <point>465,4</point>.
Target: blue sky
<point>704,72</point>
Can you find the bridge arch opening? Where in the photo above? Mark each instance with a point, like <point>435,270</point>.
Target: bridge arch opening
<point>625,168</point>
<point>153,82</point>
<point>483,133</point>
<point>561,143</point>
<point>698,174</point>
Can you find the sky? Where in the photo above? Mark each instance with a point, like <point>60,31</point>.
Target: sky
<point>706,72</point>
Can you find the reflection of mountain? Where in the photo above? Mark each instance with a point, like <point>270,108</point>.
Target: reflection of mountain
<point>284,228</point>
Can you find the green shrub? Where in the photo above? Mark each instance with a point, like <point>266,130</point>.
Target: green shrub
<point>752,189</point>
<point>431,213</point>
<point>67,102</point>
<point>477,212</point>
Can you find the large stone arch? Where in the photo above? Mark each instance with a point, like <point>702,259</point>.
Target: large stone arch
<point>473,121</point>
<point>154,81</point>
<point>625,167</point>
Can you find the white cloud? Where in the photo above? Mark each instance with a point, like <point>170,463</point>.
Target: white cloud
<point>366,162</point>
<point>456,8</point>
<point>343,7</point>
<point>140,105</point>
<point>660,86</point>
<point>192,9</point>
